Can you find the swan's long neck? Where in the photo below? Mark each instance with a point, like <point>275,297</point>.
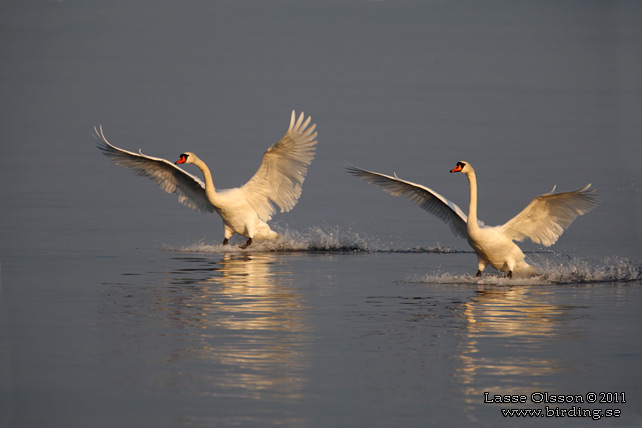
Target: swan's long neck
<point>210,190</point>
<point>472,207</point>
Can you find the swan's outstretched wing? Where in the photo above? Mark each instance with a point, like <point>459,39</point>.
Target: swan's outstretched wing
<point>279,179</point>
<point>426,198</point>
<point>548,215</point>
<point>172,179</point>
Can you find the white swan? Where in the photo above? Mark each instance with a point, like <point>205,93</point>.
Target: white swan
<point>245,210</point>
<point>542,221</point>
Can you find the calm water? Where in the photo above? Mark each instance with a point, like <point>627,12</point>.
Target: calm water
<point>118,308</point>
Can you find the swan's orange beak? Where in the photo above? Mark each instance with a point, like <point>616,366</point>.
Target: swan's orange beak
<point>181,160</point>
<point>458,168</point>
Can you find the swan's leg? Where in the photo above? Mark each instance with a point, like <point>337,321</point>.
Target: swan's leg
<point>247,244</point>
<point>228,234</point>
<point>510,264</point>
<point>481,265</point>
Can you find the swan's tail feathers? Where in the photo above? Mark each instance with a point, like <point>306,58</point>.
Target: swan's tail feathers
<point>264,232</point>
<point>523,269</point>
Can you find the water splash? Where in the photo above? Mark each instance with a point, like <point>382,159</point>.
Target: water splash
<point>314,239</point>
<point>578,271</point>
<point>558,270</point>
<point>552,268</point>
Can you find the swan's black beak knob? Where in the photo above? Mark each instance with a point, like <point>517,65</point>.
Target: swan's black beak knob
<point>458,168</point>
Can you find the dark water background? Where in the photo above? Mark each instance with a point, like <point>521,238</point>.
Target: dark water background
<point>117,308</point>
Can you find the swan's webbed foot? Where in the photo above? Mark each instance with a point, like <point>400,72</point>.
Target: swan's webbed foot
<point>478,274</point>
<point>247,244</point>
<point>225,241</point>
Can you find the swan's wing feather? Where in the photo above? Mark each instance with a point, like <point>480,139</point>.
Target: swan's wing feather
<point>279,179</point>
<point>424,197</point>
<point>172,179</point>
<point>548,215</point>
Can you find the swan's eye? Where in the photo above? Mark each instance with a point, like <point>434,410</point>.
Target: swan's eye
<point>461,165</point>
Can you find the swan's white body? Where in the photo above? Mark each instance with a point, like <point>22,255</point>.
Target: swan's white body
<point>245,210</point>
<point>542,221</point>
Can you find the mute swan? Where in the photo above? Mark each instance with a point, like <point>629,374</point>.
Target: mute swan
<point>245,210</point>
<point>542,221</point>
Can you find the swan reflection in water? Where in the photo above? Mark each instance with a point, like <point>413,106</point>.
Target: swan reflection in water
<point>500,348</point>
<point>250,324</point>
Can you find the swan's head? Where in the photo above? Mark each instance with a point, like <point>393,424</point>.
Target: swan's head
<point>462,167</point>
<point>187,157</point>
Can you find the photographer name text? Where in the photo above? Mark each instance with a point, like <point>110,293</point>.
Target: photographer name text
<point>547,397</point>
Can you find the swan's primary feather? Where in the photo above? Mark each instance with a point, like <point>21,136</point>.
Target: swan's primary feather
<point>279,179</point>
<point>426,198</point>
<point>548,215</point>
<point>172,179</point>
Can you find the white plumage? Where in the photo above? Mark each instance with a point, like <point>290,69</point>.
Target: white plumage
<point>245,210</point>
<point>542,221</point>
